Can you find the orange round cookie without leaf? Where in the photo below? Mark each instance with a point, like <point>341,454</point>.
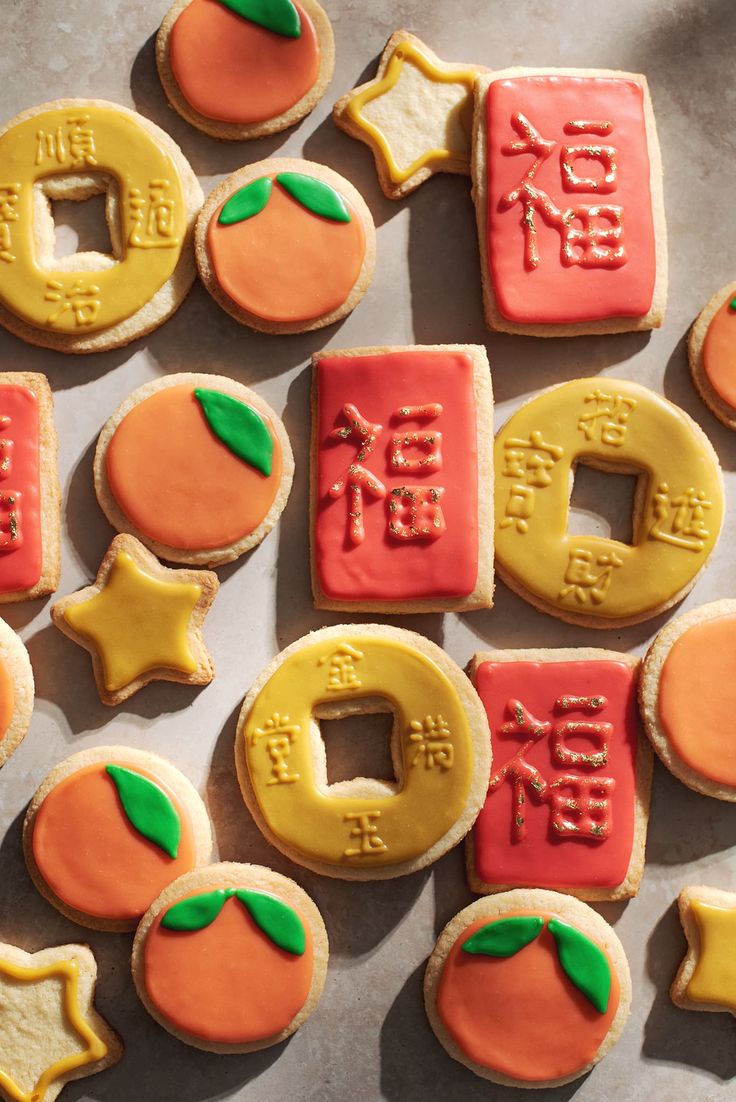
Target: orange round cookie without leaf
<point>287,264</point>
<point>231,69</point>
<point>202,496</point>
<point>520,1015</point>
<point>226,982</point>
<point>92,857</point>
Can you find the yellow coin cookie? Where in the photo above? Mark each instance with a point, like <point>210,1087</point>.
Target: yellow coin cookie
<point>617,426</point>
<point>72,149</point>
<point>363,828</point>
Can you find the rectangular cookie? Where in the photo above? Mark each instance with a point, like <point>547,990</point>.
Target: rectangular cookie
<point>402,479</point>
<point>30,499</point>
<point>568,800</point>
<point>567,181</point>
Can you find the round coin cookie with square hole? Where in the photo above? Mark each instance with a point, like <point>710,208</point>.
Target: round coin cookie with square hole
<point>285,246</point>
<point>618,427</point>
<point>363,828</point>
<point>197,467</point>
<point>528,989</point>
<point>231,958</point>
<point>240,69</point>
<point>92,301</point>
<point>108,829</point>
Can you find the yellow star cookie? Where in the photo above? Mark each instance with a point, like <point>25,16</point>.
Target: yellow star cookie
<point>706,979</point>
<point>416,115</point>
<point>140,621</point>
<point>49,1029</point>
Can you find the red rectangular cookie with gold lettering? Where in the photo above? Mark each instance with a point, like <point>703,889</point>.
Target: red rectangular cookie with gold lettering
<point>30,499</point>
<point>568,192</point>
<point>402,479</point>
<point>568,800</point>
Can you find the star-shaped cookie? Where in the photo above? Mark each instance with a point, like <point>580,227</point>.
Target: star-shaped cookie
<point>49,1030</point>
<point>140,621</point>
<point>416,114</point>
<point>706,979</point>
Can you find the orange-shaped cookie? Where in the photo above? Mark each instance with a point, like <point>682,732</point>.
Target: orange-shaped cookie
<point>231,958</point>
<point>108,829</point>
<point>712,354</point>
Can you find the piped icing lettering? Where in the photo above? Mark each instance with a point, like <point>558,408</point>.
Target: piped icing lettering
<point>397,476</point>
<point>21,550</point>
<point>680,500</point>
<point>435,748</point>
<point>561,800</point>
<point>152,213</point>
<point>570,229</point>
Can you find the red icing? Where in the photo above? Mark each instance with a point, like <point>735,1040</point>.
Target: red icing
<point>540,853</point>
<point>20,560</point>
<point>619,283</point>
<point>429,562</point>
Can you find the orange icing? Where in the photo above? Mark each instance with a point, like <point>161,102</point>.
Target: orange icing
<point>232,70</point>
<point>7,699</point>
<point>719,353</point>
<point>286,264</point>
<point>521,1015</point>
<point>227,982</point>
<point>91,856</point>
<point>180,485</point>
<point>697,699</point>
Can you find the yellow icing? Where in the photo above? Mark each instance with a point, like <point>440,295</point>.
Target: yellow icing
<point>615,423</point>
<point>408,52</point>
<point>714,978</point>
<point>137,623</point>
<point>152,217</point>
<point>435,751</point>
<point>96,1049</point>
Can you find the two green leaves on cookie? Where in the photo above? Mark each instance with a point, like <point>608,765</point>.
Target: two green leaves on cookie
<point>313,194</point>
<point>276,919</point>
<point>582,961</point>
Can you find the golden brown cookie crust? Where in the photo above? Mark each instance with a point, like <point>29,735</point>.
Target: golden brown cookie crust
<point>14,657</point>
<point>725,413</point>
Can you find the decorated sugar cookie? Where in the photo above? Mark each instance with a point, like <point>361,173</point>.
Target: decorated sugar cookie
<point>688,695</point>
<point>108,830</point>
<point>90,302</point>
<point>568,801</point>
<point>712,354</point>
<point>620,427</point>
<point>30,498</point>
<point>706,979</point>
<point>244,68</point>
<point>402,478</point>
<point>416,115</point>
<point>223,464</point>
<point>50,1031</point>
<point>16,691</point>
<point>568,192</point>
<point>364,828</point>
<point>231,958</point>
<point>528,988</point>
<point>286,246</point>
<point>140,621</point>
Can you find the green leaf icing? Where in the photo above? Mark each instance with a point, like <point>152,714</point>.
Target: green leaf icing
<point>504,937</point>
<point>196,912</point>
<point>240,428</point>
<point>279,16</point>
<point>315,195</point>
<point>585,964</point>
<point>278,921</point>
<point>732,304</point>
<point>148,808</point>
<point>246,202</point>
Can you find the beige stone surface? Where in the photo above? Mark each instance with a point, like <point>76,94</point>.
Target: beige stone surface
<point>369,1039</point>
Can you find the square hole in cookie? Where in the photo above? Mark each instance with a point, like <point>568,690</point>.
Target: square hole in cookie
<point>602,504</point>
<point>80,227</point>
<point>358,746</point>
